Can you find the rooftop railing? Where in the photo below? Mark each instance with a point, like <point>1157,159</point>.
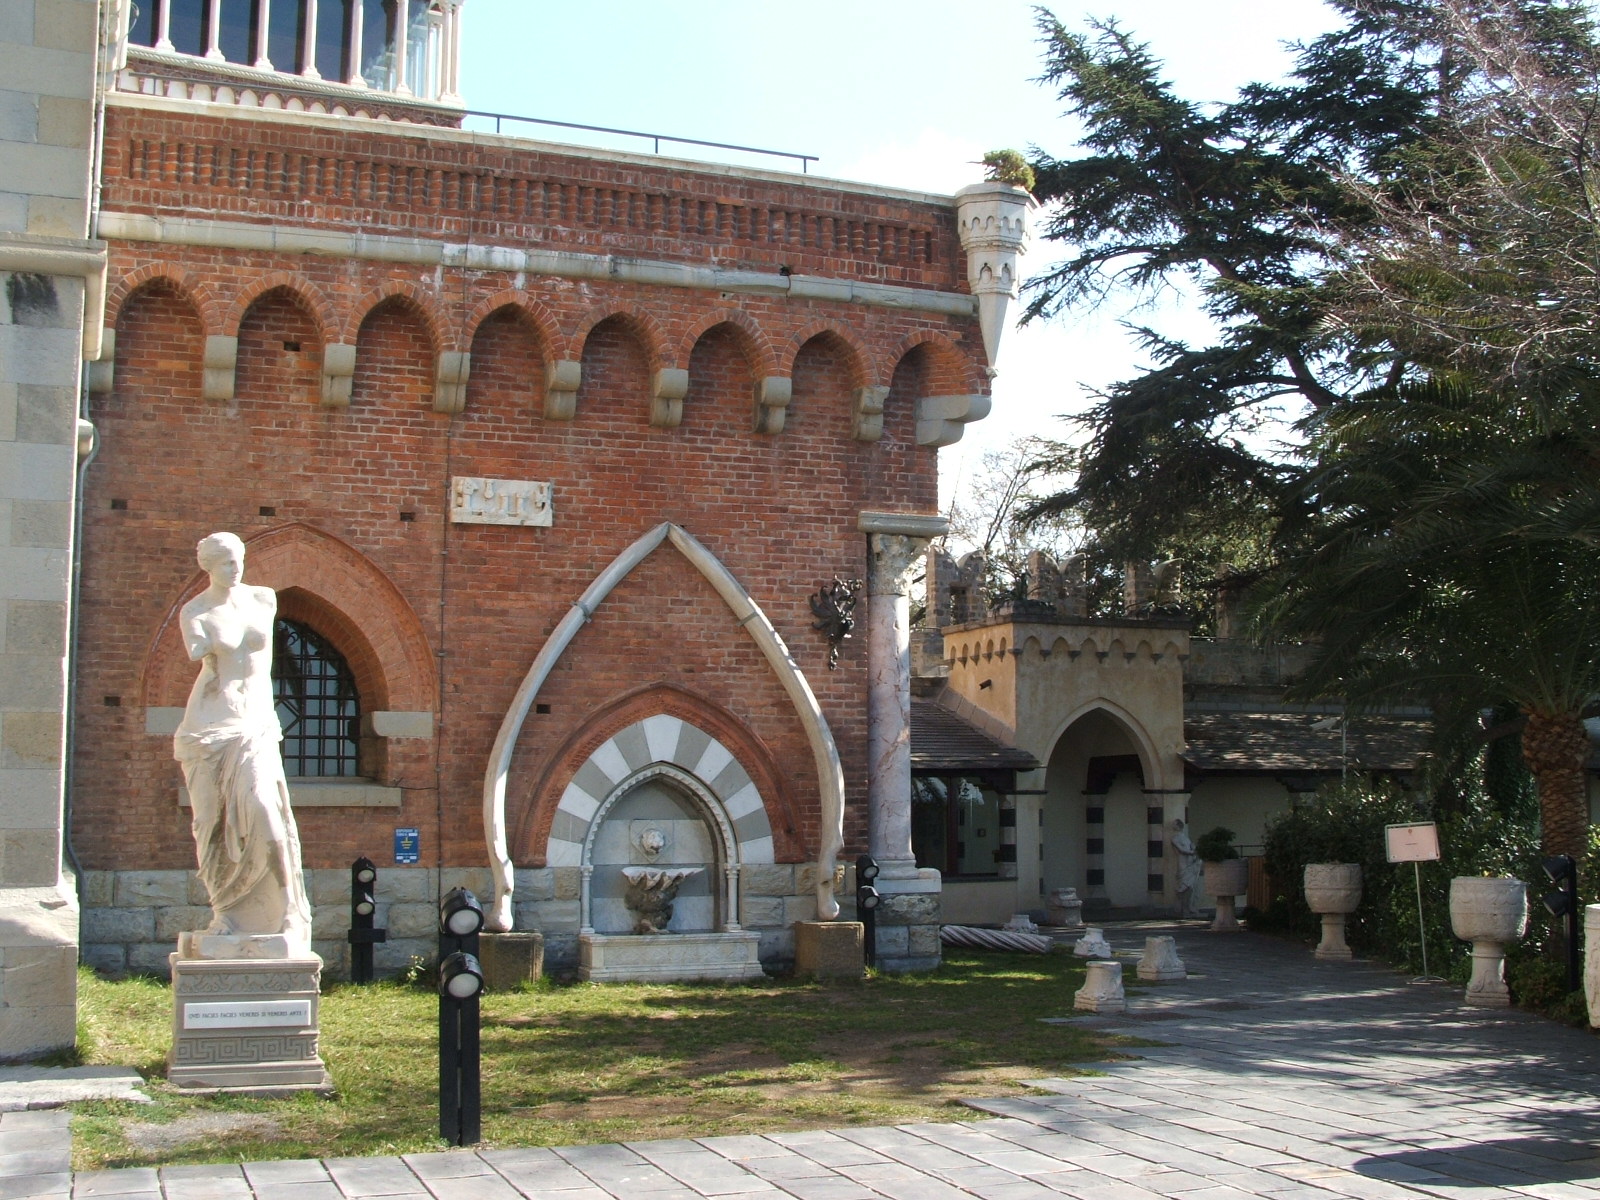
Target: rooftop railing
<point>655,139</point>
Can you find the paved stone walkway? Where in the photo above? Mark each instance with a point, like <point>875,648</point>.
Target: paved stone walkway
<point>1281,1077</point>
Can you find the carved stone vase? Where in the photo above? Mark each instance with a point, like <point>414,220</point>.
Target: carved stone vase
<point>1225,881</point>
<point>1333,890</point>
<point>1489,913</point>
<point>651,892</point>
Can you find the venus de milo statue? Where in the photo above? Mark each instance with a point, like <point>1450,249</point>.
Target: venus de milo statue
<point>244,830</point>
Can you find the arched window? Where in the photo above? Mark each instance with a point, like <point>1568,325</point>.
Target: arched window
<point>318,707</point>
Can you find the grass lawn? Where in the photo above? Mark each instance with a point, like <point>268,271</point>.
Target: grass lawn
<point>577,1063</point>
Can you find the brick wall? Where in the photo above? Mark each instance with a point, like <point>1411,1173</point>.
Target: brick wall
<point>345,509</point>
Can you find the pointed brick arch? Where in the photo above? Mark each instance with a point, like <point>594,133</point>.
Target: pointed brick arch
<point>423,302</point>
<point>863,366</point>
<point>825,754</point>
<point>640,324</point>
<point>954,370</point>
<point>305,294</point>
<point>198,295</point>
<point>751,337</point>
<point>547,330</point>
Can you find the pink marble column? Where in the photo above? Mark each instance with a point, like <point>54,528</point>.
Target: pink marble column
<point>896,543</point>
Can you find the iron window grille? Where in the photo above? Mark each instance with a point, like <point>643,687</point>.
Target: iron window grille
<point>318,707</point>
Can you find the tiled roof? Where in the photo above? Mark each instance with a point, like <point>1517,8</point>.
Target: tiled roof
<point>942,741</point>
<point>1265,742</point>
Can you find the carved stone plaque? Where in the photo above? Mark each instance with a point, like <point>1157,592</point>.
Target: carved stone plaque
<point>475,501</point>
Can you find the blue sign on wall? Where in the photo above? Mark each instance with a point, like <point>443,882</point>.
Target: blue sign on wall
<point>407,845</point>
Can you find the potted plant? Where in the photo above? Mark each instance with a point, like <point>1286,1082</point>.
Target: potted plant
<point>1227,875</point>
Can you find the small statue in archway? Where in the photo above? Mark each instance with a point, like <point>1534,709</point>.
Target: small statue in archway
<point>1188,869</point>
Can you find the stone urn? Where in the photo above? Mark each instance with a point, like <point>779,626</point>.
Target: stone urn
<point>1333,890</point>
<point>1488,913</point>
<point>1226,880</point>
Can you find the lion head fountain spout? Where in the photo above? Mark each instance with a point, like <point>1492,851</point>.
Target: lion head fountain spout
<point>651,891</point>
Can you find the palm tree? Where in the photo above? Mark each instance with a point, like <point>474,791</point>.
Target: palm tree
<point>1455,557</point>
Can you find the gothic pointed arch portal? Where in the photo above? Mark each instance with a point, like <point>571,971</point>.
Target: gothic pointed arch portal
<point>830,772</point>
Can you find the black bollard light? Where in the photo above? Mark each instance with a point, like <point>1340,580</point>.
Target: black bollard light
<point>362,936</point>
<point>867,901</point>
<point>1563,902</point>
<point>460,984</point>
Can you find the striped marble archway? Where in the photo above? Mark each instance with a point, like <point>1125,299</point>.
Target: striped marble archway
<point>628,755</point>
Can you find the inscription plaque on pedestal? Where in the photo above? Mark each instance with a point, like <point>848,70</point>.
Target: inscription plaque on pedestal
<point>258,1014</point>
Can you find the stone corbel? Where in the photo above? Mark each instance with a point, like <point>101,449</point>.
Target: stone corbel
<point>338,374</point>
<point>450,383</point>
<point>940,418</point>
<point>220,358</point>
<point>869,413</point>
<point>102,370</point>
<point>561,380</point>
<point>668,387</point>
<point>772,402</point>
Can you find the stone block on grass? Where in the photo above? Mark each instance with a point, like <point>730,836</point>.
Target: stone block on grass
<point>828,949</point>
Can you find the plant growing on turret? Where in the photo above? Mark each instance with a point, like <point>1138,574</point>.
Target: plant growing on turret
<point>1216,846</point>
<point>1008,166</point>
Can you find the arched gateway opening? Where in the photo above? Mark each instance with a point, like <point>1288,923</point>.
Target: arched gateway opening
<point>1096,818</point>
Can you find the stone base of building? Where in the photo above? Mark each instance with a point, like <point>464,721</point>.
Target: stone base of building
<point>131,919</point>
<point>510,959</point>
<point>246,1026</point>
<point>38,971</point>
<point>909,916</point>
<point>669,957</point>
<point>828,950</point>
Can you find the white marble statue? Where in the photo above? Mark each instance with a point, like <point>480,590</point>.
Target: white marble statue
<point>244,832</point>
<point>1188,869</point>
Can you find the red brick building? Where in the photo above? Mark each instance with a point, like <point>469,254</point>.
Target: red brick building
<point>439,382</point>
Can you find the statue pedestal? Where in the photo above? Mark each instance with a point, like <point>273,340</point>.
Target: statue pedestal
<point>245,1026</point>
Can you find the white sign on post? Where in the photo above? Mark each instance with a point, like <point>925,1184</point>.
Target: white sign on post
<point>246,1014</point>
<point>1412,843</point>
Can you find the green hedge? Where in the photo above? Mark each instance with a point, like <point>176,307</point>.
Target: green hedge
<point>1477,836</point>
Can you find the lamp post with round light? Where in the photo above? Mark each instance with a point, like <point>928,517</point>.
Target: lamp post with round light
<point>460,983</point>
<point>867,901</point>
<point>363,905</point>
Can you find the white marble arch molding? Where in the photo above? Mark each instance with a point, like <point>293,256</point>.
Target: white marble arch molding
<point>830,772</point>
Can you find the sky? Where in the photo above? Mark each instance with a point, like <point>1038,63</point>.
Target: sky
<point>905,93</point>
